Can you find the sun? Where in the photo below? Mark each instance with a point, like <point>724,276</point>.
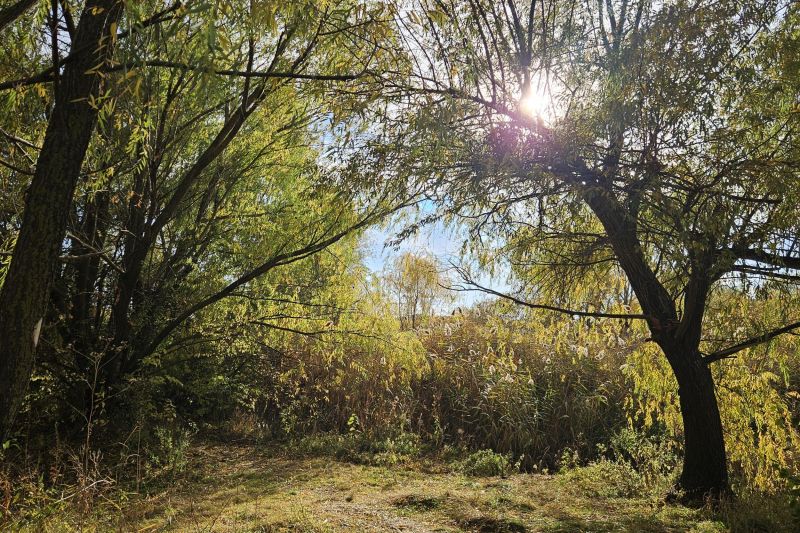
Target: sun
<point>536,103</point>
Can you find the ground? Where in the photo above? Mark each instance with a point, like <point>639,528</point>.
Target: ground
<point>229,488</point>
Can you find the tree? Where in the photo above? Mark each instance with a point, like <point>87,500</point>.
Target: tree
<point>209,145</point>
<point>656,157</point>
<point>416,284</point>
<point>24,294</point>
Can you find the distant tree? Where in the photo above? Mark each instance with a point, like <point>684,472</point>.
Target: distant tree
<point>416,286</point>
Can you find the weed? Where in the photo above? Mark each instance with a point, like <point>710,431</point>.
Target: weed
<point>486,463</point>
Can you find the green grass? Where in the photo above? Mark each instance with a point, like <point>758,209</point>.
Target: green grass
<point>246,489</point>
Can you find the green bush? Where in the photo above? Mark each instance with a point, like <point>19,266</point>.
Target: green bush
<point>168,450</point>
<point>655,458</point>
<point>604,479</point>
<point>486,463</point>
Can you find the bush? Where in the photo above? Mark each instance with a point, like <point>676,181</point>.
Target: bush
<point>604,479</point>
<point>654,457</point>
<point>486,463</point>
<point>168,450</point>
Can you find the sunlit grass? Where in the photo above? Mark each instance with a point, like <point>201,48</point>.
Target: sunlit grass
<point>237,488</point>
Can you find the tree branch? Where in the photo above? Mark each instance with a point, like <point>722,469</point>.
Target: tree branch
<point>93,253</point>
<point>477,287</point>
<point>785,261</point>
<point>13,12</point>
<point>761,339</point>
<point>278,260</point>
<point>239,73</point>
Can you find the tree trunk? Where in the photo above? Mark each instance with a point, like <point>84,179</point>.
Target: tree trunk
<point>14,11</point>
<point>705,468</point>
<point>24,295</point>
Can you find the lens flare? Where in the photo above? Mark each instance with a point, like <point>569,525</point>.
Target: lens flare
<point>535,103</point>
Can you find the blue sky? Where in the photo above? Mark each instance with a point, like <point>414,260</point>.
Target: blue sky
<point>438,240</point>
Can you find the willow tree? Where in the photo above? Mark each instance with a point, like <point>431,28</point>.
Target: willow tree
<point>24,294</point>
<point>417,285</point>
<point>657,139</point>
<point>205,112</point>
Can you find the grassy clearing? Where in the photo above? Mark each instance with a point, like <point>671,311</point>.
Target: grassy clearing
<point>247,489</point>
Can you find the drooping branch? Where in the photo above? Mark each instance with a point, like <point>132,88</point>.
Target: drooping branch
<point>475,286</point>
<point>754,341</point>
<point>591,185</point>
<point>281,259</point>
<point>48,75</point>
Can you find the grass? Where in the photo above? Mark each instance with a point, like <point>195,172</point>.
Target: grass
<point>229,488</point>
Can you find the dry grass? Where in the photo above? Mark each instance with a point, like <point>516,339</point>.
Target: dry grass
<point>246,489</point>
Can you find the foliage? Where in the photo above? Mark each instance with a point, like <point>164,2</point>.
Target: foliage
<point>605,479</point>
<point>169,449</point>
<point>755,393</point>
<point>518,385</point>
<point>654,457</point>
<point>211,281</point>
<point>486,463</point>
<point>650,165</point>
<point>417,286</point>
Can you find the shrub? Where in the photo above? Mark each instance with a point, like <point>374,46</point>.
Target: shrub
<point>604,479</point>
<point>486,463</point>
<point>654,457</point>
<point>168,449</point>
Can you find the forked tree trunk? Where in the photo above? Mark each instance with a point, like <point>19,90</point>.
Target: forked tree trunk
<point>705,468</point>
<point>24,294</point>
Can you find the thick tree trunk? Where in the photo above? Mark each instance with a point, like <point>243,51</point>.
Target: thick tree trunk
<point>24,295</point>
<point>705,468</point>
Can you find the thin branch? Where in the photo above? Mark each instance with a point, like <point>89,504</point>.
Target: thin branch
<point>234,72</point>
<point>477,287</point>
<point>754,341</point>
<point>94,253</point>
<point>19,140</point>
<point>15,168</point>
<point>281,259</point>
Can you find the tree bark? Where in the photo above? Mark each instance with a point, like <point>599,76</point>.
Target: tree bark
<point>14,11</point>
<point>24,295</point>
<point>705,468</point>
